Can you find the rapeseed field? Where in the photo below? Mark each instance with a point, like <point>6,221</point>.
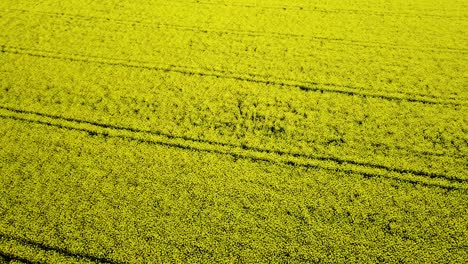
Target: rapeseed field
<point>216,131</point>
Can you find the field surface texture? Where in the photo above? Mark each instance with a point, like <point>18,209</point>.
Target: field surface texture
<point>243,131</point>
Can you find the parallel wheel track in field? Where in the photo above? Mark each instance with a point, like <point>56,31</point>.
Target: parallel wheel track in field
<point>321,9</point>
<point>41,247</point>
<point>360,43</point>
<point>9,258</point>
<point>253,78</point>
<point>151,137</point>
<point>367,170</point>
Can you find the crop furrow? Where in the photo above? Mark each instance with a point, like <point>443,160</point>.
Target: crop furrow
<point>251,33</point>
<point>244,152</point>
<point>247,77</point>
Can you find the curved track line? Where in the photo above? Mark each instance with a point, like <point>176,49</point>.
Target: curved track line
<point>366,44</point>
<point>253,78</point>
<point>245,152</point>
<point>44,247</point>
